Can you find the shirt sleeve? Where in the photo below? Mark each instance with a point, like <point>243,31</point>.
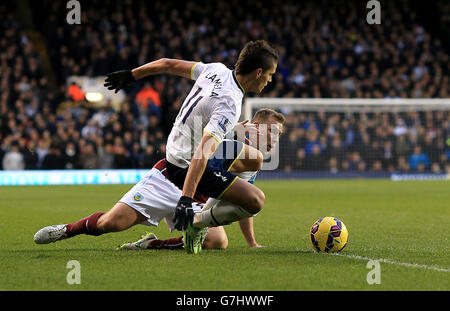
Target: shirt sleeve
<point>197,69</point>
<point>221,121</point>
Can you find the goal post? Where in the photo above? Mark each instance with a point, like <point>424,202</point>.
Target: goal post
<point>345,104</point>
<point>364,135</point>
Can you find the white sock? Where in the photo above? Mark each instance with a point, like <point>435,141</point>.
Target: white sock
<point>218,213</point>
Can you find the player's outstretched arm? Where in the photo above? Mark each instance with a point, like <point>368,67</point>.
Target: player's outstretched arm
<point>119,79</point>
<point>176,67</point>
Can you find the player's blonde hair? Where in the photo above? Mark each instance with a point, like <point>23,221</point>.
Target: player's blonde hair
<point>265,113</point>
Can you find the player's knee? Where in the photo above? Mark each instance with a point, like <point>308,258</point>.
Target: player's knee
<point>261,199</point>
<point>256,201</point>
<point>109,223</point>
<point>217,243</point>
<point>223,244</point>
<point>103,221</point>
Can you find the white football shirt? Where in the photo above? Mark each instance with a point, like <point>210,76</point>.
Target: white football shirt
<point>213,106</point>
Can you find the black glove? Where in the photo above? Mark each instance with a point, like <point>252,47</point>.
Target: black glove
<point>184,214</point>
<point>118,80</point>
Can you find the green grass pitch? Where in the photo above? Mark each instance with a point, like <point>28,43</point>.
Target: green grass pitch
<point>406,225</point>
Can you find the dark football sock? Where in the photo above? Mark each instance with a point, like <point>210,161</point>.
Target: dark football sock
<point>173,243</point>
<point>87,225</point>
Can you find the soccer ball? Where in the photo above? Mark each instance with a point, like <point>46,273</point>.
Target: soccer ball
<point>328,234</point>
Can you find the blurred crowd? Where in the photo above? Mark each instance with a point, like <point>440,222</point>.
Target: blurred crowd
<point>327,50</point>
<point>381,141</point>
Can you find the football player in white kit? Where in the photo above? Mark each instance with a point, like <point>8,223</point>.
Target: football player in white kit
<point>155,197</point>
<point>271,124</point>
<point>209,112</point>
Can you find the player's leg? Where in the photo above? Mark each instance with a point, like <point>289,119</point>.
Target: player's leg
<point>218,180</point>
<point>220,213</point>
<point>244,194</point>
<point>225,211</point>
<point>147,241</point>
<point>240,199</point>
<point>245,158</point>
<point>119,218</point>
<point>241,158</point>
<point>55,233</point>
<point>215,239</point>
<point>241,193</point>
<point>243,198</point>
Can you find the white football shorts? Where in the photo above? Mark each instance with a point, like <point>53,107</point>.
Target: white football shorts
<point>156,198</point>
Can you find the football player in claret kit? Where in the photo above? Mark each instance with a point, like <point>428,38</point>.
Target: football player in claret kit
<point>209,112</point>
<point>155,197</point>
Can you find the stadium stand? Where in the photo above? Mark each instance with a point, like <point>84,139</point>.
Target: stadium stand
<point>330,53</point>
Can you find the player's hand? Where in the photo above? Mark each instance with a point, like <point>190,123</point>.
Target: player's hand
<point>243,128</point>
<point>118,80</point>
<point>184,214</point>
<point>256,245</point>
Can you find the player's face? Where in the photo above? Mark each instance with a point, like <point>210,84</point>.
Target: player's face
<point>264,77</point>
<point>270,131</point>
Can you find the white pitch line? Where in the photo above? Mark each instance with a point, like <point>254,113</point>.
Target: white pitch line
<point>389,261</point>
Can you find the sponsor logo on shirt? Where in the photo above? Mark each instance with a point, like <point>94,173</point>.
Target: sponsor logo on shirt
<point>223,124</point>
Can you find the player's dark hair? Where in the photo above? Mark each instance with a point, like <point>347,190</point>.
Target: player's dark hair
<point>254,55</point>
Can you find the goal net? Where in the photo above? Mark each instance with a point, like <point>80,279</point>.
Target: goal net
<point>364,136</point>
